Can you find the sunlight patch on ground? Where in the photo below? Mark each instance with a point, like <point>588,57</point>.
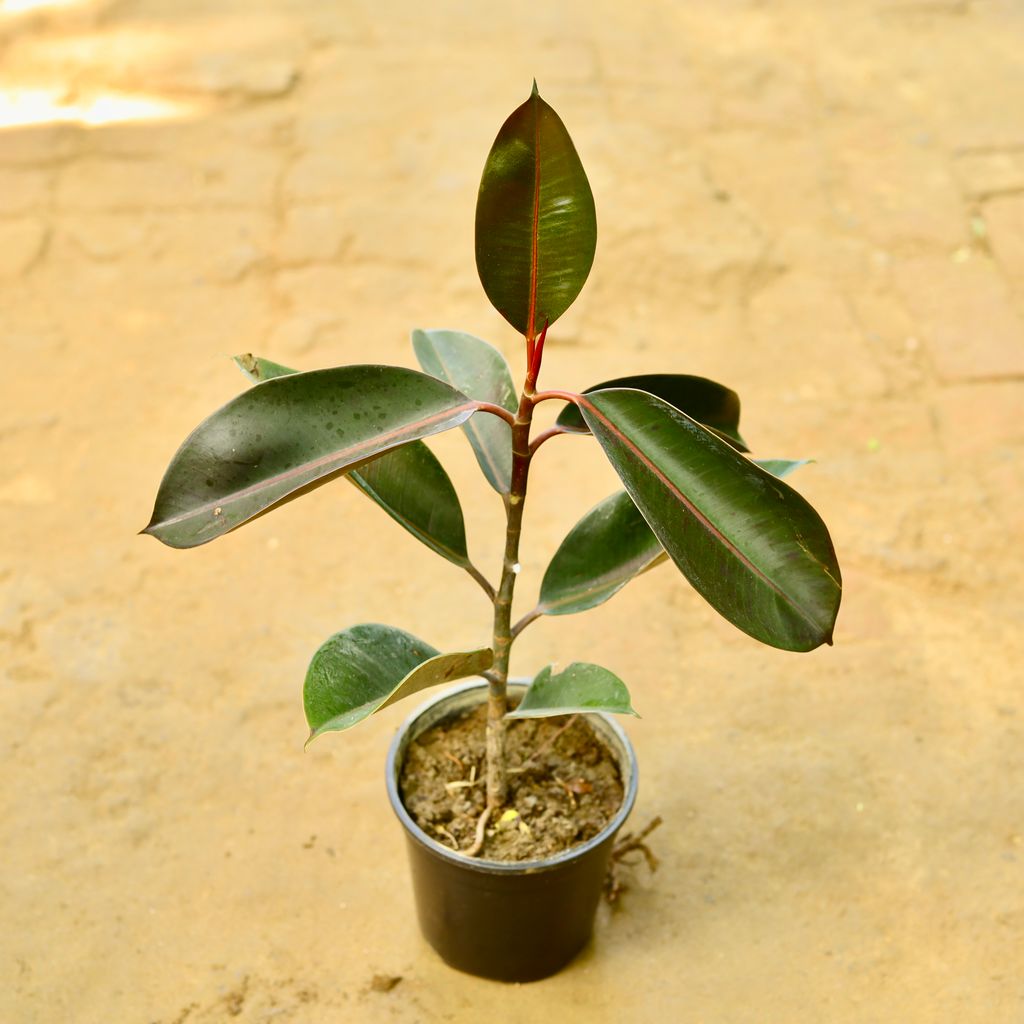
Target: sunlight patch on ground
<point>20,108</point>
<point>28,6</point>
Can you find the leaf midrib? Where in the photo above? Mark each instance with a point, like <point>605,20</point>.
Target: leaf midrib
<point>323,460</point>
<point>701,518</point>
<point>531,323</point>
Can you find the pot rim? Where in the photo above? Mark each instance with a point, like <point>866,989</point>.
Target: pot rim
<point>506,867</point>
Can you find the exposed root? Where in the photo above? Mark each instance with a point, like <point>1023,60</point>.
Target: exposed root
<point>442,831</point>
<point>481,828</point>
<point>627,844</point>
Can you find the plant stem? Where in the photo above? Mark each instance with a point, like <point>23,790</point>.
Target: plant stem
<point>497,704</point>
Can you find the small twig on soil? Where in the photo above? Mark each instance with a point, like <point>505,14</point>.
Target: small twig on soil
<point>568,791</point>
<point>547,744</point>
<point>454,759</point>
<point>481,826</point>
<point>462,784</point>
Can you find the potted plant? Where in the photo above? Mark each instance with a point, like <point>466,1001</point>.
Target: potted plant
<point>748,543</point>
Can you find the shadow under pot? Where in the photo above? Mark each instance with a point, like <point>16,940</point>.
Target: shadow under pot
<point>506,920</point>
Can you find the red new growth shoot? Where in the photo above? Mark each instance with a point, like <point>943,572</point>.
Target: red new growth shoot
<point>535,354</point>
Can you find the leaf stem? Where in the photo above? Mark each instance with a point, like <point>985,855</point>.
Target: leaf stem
<point>553,432</point>
<point>529,617</point>
<point>562,396</point>
<point>481,579</point>
<point>496,410</point>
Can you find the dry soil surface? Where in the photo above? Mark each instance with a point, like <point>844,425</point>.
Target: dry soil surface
<point>818,202</point>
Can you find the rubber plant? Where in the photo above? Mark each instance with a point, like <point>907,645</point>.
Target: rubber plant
<point>746,541</point>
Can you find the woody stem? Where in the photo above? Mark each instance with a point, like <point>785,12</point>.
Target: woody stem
<point>497,704</point>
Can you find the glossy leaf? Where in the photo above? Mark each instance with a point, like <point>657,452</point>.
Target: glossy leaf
<point>412,487</point>
<point>407,482</point>
<point>291,433</point>
<point>711,404</point>
<point>610,545</point>
<point>607,548</point>
<point>581,687</point>
<point>369,667</point>
<point>536,229</point>
<point>478,370</point>
<point>749,544</point>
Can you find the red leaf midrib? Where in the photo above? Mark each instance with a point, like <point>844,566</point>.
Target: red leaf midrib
<point>701,518</point>
<point>531,320</point>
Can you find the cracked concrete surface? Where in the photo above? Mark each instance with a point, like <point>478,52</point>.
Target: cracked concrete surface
<point>821,204</point>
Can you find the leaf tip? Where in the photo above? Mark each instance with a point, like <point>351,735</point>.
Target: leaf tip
<point>534,91</point>
<point>152,529</point>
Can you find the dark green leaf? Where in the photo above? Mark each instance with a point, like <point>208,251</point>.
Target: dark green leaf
<point>479,371</point>
<point>412,487</point>
<point>710,404</point>
<point>536,229</point>
<point>610,545</point>
<point>407,482</point>
<point>752,546</point>
<point>368,667</point>
<point>580,688</point>
<point>291,433</point>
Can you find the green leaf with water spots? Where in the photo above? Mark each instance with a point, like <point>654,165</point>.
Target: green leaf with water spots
<point>749,544</point>
<point>407,482</point>
<point>368,667</point>
<point>581,687</point>
<point>289,434</point>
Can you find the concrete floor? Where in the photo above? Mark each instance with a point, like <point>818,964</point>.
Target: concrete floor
<point>818,203</point>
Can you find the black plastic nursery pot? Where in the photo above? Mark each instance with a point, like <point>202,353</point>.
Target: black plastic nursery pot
<point>510,921</point>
